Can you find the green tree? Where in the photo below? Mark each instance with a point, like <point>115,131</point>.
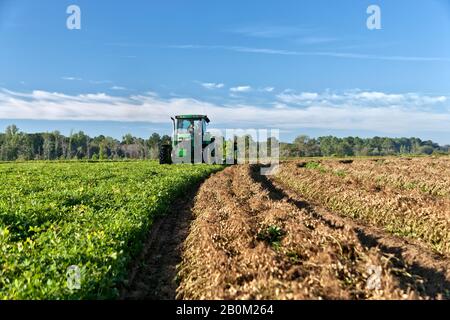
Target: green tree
<point>102,152</point>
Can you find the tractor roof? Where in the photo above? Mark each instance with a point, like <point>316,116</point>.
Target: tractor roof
<point>193,117</point>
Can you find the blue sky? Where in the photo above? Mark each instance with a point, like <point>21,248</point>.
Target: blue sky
<point>305,67</point>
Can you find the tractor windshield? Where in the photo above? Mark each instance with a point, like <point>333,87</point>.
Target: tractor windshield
<point>189,125</point>
<point>185,124</point>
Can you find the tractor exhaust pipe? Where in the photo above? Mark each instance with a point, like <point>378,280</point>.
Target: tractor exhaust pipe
<point>173,132</point>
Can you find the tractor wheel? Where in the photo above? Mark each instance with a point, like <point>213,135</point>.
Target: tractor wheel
<point>165,154</point>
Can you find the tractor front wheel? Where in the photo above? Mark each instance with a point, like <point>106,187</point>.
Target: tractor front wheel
<point>165,154</point>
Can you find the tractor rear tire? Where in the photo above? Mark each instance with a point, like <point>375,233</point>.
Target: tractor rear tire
<point>165,154</point>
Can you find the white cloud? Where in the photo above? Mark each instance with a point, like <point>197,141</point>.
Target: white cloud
<point>118,88</point>
<point>241,89</point>
<point>268,89</point>
<point>330,54</point>
<point>278,105</point>
<point>212,85</point>
<point>297,98</point>
<point>354,110</point>
<point>362,99</point>
<point>271,31</point>
<point>100,81</point>
<point>262,50</point>
<point>72,78</point>
<point>316,40</point>
<point>379,96</point>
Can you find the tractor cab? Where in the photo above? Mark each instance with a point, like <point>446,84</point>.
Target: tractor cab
<point>185,126</point>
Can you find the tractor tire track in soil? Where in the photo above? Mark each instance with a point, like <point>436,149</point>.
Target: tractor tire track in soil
<point>153,273</point>
<point>253,239</point>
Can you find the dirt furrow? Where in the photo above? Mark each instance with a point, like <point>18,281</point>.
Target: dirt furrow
<point>421,267</point>
<point>406,213</point>
<point>251,241</point>
<point>153,273</point>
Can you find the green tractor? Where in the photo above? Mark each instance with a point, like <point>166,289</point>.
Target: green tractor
<point>188,130</point>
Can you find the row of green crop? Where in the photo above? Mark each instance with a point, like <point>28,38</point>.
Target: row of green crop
<point>93,216</point>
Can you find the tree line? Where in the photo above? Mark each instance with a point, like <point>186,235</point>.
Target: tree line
<point>18,145</point>
<point>304,146</point>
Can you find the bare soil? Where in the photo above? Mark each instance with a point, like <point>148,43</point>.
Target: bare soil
<point>428,271</point>
<point>252,239</point>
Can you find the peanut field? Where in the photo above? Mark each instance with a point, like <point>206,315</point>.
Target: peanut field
<point>353,228</point>
<point>94,216</point>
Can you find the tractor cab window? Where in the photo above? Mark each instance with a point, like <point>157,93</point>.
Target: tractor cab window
<point>185,124</point>
<point>189,125</point>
